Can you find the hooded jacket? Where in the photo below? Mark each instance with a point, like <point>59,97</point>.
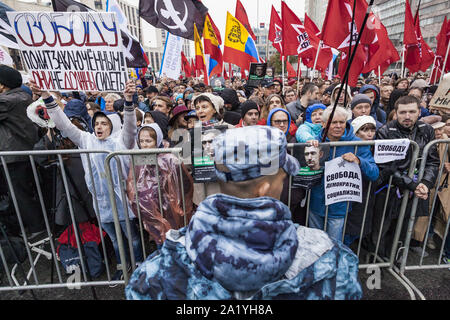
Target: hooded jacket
<point>349,96</point>
<point>158,218</point>
<point>157,129</point>
<point>119,139</point>
<point>308,130</point>
<point>376,111</point>
<point>162,121</point>
<point>230,96</point>
<point>246,249</point>
<point>368,167</point>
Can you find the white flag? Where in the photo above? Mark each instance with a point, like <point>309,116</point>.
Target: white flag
<point>5,58</point>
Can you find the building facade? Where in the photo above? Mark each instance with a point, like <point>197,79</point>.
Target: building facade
<point>316,10</point>
<point>431,14</point>
<point>263,45</point>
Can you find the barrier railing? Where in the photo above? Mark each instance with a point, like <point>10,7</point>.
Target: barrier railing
<point>121,162</point>
<point>57,163</point>
<point>377,260</point>
<point>410,265</point>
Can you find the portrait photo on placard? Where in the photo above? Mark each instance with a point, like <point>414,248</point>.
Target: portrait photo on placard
<point>312,161</point>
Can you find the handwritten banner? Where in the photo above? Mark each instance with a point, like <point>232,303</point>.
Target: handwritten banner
<point>71,51</point>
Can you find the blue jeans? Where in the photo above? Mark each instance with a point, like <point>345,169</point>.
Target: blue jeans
<point>136,241</point>
<point>335,226</point>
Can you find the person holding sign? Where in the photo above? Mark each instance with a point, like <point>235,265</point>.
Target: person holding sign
<point>407,126</point>
<point>107,135</point>
<point>339,130</point>
<point>241,243</point>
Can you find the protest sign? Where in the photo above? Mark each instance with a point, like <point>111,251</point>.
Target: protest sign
<point>390,150</point>
<point>312,160</point>
<point>203,153</point>
<point>5,58</point>
<point>71,51</point>
<point>171,61</point>
<point>342,181</point>
<point>257,74</point>
<point>441,98</point>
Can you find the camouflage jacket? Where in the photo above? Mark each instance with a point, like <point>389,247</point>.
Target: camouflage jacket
<point>246,249</point>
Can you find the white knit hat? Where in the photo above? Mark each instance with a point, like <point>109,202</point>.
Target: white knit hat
<point>358,122</point>
<point>217,101</point>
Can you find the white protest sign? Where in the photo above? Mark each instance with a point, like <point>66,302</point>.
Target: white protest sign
<point>441,98</point>
<point>171,64</point>
<point>5,58</point>
<point>71,51</point>
<point>390,150</point>
<point>342,181</point>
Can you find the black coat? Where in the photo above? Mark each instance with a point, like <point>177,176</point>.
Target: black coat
<point>422,134</point>
<point>17,131</point>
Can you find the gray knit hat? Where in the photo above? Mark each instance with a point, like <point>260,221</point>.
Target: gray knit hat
<point>360,98</point>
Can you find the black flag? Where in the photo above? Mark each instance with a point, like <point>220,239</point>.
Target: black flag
<point>6,37</point>
<point>132,48</point>
<point>176,16</point>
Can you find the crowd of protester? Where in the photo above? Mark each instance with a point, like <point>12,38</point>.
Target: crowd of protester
<point>147,114</point>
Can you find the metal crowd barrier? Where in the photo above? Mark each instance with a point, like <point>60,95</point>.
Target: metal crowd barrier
<point>411,265</point>
<point>121,162</point>
<point>46,247</point>
<point>377,260</point>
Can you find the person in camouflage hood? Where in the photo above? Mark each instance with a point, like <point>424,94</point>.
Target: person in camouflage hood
<point>242,243</point>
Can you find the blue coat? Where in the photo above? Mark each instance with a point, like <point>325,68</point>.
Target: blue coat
<point>246,249</point>
<point>368,167</point>
<point>308,131</point>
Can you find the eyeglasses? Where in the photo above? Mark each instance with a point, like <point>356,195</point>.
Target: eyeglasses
<point>280,122</point>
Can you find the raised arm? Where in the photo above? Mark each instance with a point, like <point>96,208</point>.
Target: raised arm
<point>129,129</point>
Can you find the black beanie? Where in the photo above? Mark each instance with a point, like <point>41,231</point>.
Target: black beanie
<point>247,106</point>
<point>10,77</point>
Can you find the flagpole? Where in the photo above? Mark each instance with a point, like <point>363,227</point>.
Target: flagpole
<point>317,56</point>
<point>379,76</point>
<point>445,62</point>
<point>432,68</point>
<point>347,71</point>
<point>403,61</point>
<point>298,76</point>
<point>350,50</point>
<point>282,70</point>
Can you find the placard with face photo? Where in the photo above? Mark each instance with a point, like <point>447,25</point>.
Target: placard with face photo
<point>203,169</point>
<point>257,74</point>
<point>312,162</point>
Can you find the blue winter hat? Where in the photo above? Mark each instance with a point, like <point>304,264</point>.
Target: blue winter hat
<point>311,109</point>
<point>251,152</point>
<point>272,112</point>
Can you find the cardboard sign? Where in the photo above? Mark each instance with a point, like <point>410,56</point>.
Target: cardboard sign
<point>257,74</point>
<point>390,150</point>
<point>343,181</point>
<point>312,161</point>
<point>441,98</point>
<point>71,51</point>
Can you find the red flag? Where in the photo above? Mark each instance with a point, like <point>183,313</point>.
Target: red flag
<point>336,33</point>
<point>290,70</point>
<point>325,54</point>
<point>338,21</point>
<point>276,31</point>
<point>418,56</point>
<point>243,74</point>
<point>185,65</point>
<point>241,15</point>
<point>295,38</point>
<point>382,52</point>
<point>216,30</point>
<point>442,43</point>
<point>193,68</point>
<point>409,35</point>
